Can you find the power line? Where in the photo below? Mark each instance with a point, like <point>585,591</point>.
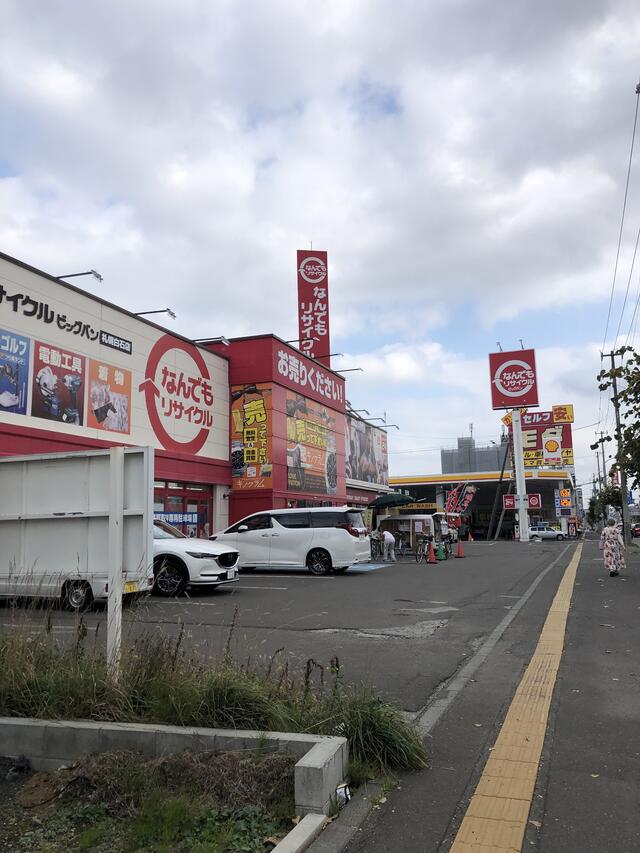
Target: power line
<point>624,209</point>
<point>626,293</point>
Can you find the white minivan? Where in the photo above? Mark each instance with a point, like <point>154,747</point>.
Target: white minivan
<point>322,539</point>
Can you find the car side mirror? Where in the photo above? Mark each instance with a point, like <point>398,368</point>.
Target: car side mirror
<point>243,528</point>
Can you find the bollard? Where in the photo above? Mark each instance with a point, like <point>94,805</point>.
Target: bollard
<point>459,555</point>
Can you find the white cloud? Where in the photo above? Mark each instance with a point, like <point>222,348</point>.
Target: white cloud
<point>455,164</point>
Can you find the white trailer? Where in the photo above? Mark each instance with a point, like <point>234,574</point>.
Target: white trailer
<point>70,521</point>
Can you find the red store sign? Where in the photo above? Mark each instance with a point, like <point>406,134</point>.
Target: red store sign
<point>179,401</point>
<point>513,379</point>
<point>313,304</point>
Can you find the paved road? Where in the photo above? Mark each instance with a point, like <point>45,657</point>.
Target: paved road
<point>586,795</point>
<point>401,627</point>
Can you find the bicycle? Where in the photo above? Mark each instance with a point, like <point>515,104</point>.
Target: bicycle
<point>422,550</point>
<point>376,549</point>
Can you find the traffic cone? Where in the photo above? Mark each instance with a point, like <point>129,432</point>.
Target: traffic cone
<point>431,557</point>
<point>470,537</point>
<point>459,555</point>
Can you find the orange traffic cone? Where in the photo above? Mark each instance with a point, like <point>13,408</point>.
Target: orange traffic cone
<point>470,537</point>
<point>459,554</point>
<point>431,557</point>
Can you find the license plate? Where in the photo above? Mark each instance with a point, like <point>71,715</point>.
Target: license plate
<point>231,575</point>
<point>131,586</point>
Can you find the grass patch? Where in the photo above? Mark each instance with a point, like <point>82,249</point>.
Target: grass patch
<point>162,683</point>
<point>122,802</point>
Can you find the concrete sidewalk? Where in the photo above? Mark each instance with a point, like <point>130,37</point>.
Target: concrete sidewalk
<point>587,793</point>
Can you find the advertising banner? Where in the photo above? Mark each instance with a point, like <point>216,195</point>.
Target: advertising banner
<point>313,304</point>
<point>58,385</point>
<point>547,445</point>
<point>311,447</point>
<point>89,368</point>
<point>14,372</point>
<point>251,437</point>
<point>304,375</point>
<point>513,379</point>
<point>367,457</point>
<point>109,397</point>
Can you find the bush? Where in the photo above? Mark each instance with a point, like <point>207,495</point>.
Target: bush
<point>159,683</point>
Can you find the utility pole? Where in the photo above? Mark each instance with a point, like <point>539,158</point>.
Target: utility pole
<point>623,474</point>
<point>603,479</point>
<point>599,474</point>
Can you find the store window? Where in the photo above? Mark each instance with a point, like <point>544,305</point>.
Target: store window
<point>187,506</point>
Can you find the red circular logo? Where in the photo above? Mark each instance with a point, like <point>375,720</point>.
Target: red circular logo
<point>157,398</point>
<point>313,270</point>
<point>514,377</point>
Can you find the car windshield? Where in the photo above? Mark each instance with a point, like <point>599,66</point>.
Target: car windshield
<point>162,530</point>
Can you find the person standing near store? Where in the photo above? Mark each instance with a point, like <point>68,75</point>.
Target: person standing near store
<point>612,545</point>
<point>389,546</point>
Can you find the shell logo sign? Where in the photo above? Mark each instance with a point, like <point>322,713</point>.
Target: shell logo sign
<point>513,379</point>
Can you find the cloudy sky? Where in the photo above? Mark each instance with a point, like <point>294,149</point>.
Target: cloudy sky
<point>463,162</point>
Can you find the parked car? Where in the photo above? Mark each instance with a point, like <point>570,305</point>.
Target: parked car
<point>180,561</point>
<point>543,531</point>
<point>635,530</point>
<point>322,539</point>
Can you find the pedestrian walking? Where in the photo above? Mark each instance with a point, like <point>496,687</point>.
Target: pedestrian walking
<point>612,545</point>
<point>389,546</point>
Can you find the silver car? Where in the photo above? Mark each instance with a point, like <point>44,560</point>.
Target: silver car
<point>543,531</point>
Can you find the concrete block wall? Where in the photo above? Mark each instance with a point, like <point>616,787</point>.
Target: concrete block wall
<point>48,744</point>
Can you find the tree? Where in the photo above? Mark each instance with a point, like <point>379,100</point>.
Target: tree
<point>598,503</point>
<point>627,376</point>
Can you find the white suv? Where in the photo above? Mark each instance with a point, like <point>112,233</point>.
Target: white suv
<point>321,539</point>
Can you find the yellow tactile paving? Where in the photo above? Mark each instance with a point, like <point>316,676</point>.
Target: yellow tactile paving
<point>495,835</point>
<point>496,818</point>
<point>515,789</point>
<point>498,808</point>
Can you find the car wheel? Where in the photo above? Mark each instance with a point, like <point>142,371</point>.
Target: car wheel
<point>340,570</point>
<point>76,596</point>
<point>318,562</point>
<point>535,539</point>
<point>170,577</point>
<point>559,537</point>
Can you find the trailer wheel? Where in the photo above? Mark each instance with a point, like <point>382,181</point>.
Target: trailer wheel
<point>76,596</point>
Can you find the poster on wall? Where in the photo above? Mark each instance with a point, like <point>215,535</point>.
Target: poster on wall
<point>367,458</point>
<point>312,464</point>
<point>109,397</point>
<point>58,389</point>
<point>14,372</point>
<point>251,459</point>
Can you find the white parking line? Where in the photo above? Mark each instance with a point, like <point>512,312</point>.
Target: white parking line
<point>293,577</point>
<point>39,627</point>
<point>263,587</point>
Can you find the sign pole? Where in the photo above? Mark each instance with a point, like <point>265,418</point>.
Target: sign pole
<point>115,560</point>
<point>521,485</point>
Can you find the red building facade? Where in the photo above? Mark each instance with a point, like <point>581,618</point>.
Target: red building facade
<point>287,428</point>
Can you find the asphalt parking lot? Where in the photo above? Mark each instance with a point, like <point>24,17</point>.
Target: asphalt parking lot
<point>402,628</point>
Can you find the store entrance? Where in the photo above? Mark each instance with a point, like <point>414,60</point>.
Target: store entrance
<point>187,506</point>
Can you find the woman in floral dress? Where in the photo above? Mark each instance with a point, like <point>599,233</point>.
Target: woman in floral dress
<point>612,545</point>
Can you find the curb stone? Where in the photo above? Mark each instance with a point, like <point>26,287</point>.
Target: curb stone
<point>321,759</point>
